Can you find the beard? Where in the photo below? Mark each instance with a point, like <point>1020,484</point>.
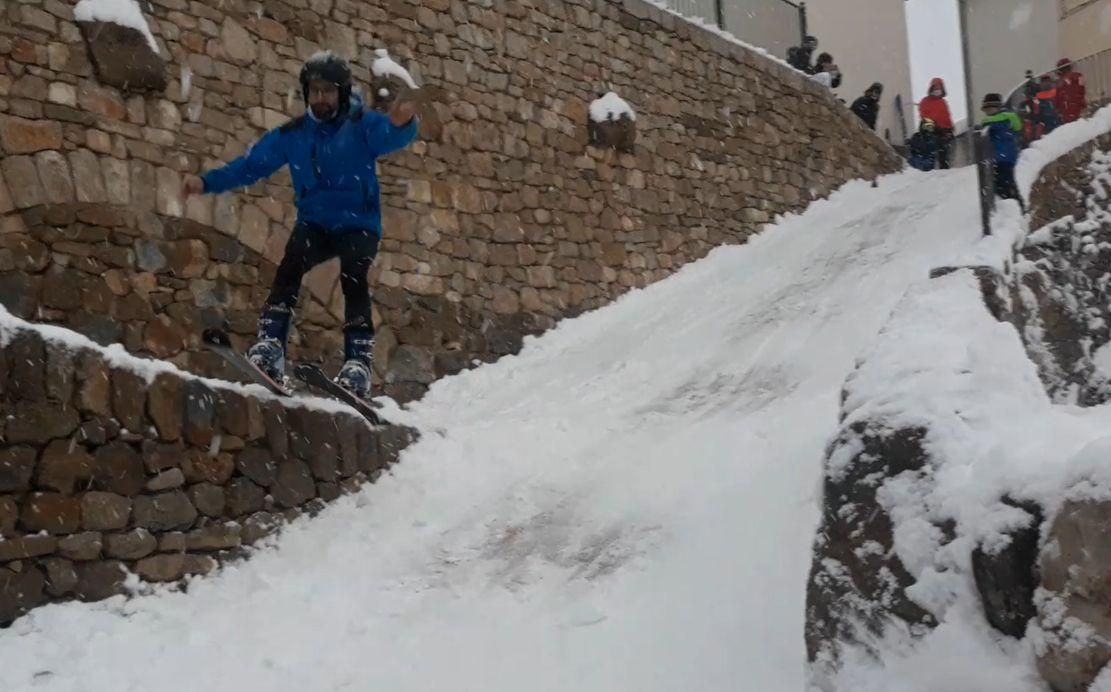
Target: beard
<point>323,112</point>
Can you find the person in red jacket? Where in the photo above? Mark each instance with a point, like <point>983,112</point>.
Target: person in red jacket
<point>936,108</point>
<point>1071,94</point>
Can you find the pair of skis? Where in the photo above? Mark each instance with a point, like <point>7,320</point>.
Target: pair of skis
<point>218,341</point>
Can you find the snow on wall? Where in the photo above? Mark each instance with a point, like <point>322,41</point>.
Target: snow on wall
<point>610,107</point>
<point>122,12</point>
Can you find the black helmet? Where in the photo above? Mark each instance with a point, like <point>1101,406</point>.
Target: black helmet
<point>329,67</point>
<point>992,101</point>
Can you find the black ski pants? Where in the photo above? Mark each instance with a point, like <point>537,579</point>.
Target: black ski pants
<point>310,245</point>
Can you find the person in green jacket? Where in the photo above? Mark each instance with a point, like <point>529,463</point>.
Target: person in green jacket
<point>1004,129</point>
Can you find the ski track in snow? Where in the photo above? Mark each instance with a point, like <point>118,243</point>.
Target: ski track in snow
<point>628,504</point>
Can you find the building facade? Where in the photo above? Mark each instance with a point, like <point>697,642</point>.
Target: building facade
<point>1084,27</point>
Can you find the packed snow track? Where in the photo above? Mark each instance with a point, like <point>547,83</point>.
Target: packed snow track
<point>629,504</point>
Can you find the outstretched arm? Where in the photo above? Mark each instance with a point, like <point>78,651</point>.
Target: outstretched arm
<point>263,158</point>
<point>386,134</point>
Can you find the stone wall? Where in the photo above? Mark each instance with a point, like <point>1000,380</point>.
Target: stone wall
<point>110,466</point>
<point>499,220</point>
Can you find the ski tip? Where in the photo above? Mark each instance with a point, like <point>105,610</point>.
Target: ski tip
<point>216,337</point>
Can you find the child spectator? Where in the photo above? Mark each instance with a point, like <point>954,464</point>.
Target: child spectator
<point>936,108</point>
<point>1003,128</point>
<point>1071,92</point>
<point>826,71</point>
<point>923,146</point>
<point>867,107</point>
<point>1046,118</point>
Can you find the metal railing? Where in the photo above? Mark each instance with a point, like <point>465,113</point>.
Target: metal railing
<point>1096,70</point>
<point>774,25</point>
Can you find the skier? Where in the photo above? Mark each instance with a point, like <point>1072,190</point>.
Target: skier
<point>867,107</point>
<point>1004,128</point>
<point>923,146</point>
<point>331,152</point>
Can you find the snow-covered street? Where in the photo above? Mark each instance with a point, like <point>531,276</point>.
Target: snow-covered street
<point>629,504</point>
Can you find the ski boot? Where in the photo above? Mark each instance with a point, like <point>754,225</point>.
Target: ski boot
<point>358,347</point>
<point>268,353</point>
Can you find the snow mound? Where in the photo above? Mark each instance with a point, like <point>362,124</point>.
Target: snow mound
<point>122,12</point>
<point>610,107</point>
<point>1058,143</point>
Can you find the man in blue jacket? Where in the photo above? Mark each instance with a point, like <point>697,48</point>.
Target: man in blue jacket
<point>331,152</point>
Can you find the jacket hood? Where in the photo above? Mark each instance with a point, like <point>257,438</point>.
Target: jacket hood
<point>937,83</point>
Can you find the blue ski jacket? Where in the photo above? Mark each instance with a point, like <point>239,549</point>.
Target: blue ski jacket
<point>333,166</point>
<point>1003,130</point>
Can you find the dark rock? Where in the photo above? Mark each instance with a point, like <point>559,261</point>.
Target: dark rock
<point>200,414</point>
<point>244,497</point>
<point>61,373</point>
<point>165,511</point>
<point>232,413</point>
<point>294,485</point>
<point>65,467</point>
<point>208,498</point>
<point>134,544</point>
<point>213,537</point>
<point>173,566</point>
<point>94,393</point>
<point>9,515</point>
<point>258,465</point>
<point>165,404</point>
<point>119,469</point>
<point>123,58</point>
<point>259,525</point>
<point>129,397</point>
<point>97,432</point>
<point>328,492</point>
<point>277,434</point>
<point>19,593</point>
<point>200,467</point>
<point>61,576</point>
<point>40,422</point>
<point>102,511</point>
<point>166,480</point>
<point>173,542</point>
<point>51,512</point>
<point>27,379</point>
<point>851,587</point>
<point>159,457</point>
<point>17,466</point>
<point>1007,579</point>
<point>26,546</point>
<point>99,580</point>
<point>81,546</point>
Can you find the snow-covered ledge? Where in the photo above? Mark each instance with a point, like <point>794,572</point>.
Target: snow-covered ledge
<point>115,470</point>
<point>967,495</point>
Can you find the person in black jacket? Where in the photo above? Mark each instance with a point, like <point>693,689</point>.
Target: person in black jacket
<point>867,107</point>
<point>798,57</point>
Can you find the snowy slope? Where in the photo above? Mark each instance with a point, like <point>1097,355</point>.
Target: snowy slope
<point>627,505</point>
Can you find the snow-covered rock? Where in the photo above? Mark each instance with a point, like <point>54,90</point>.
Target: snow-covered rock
<point>969,484</point>
<point>120,12</point>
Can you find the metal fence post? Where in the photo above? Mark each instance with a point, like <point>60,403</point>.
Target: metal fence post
<point>719,14</point>
<point>802,23</point>
<point>987,201</point>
